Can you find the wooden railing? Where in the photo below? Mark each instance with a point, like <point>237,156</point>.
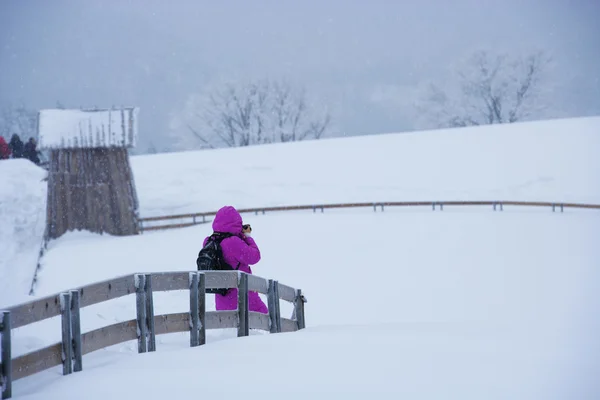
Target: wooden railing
<point>69,352</point>
<point>146,224</point>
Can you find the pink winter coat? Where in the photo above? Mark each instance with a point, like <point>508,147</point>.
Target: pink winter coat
<point>239,251</point>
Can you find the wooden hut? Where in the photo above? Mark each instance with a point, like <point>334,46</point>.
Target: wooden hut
<point>90,181</point>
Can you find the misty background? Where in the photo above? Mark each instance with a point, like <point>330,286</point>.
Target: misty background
<point>365,62</point>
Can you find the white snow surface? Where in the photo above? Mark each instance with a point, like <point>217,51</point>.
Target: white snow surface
<point>452,304</point>
<point>466,303</point>
<point>22,222</point>
<point>546,160</point>
<point>88,128</point>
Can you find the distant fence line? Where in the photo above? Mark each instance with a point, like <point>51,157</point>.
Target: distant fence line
<point>201,217</point>
<point>69,352</point>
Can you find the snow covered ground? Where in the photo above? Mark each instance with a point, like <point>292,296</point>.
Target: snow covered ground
<point>464,303</point>
<point>453,304</point>
<point>22,223</point>
<point>547,160</point>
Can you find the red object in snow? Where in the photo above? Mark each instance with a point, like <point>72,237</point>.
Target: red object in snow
<point>4,149</point>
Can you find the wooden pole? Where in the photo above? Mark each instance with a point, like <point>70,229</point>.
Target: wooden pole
<point>6,367</point>
<point>197,282</point>
<point>273,303</point>
<point>194,310</point>
<point>299,309</point>
<point>140,302</point>
<point>67,334</point>
<point>76,330</point>
<point>243,325</point>
<point>202,308</point>
<point>149,298</point>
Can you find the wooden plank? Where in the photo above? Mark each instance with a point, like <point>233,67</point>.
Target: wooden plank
<point>258,321</point>
<point>221,279</point>
<point>177,216</point>
<point>108,336</point>
<point>258,284</point>
<point>27,313</point>
<point>37,361</point>
<point>49,306</point>
<point>288,325</point>
<point>179,280</point>
<point>180,322</point>
<point>371,204</point>
<point>170,323</point>
<point>106,290</point>
<point>221,319</point>
<point>167,281</point>
<point>167,226</point>
<point>287,293</point>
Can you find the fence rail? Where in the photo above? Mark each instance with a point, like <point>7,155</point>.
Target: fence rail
<point>497,205</point>
<point>74,344</point>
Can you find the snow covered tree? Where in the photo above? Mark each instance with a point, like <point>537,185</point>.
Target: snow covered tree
<point>251,113</point>
<point>18,119</point>
<point>490,89</point>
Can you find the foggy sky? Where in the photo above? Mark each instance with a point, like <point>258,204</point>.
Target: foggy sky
<point>363,57</point>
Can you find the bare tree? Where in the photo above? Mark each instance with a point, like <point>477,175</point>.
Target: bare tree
<point>490,89</point>
<point>257,112</point>
<point>290,113</point>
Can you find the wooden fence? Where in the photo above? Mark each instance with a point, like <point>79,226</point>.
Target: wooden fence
<point>147,224</point>
<point>146,325</point>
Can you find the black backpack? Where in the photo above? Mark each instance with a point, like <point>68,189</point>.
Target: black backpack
<point>210,258</point>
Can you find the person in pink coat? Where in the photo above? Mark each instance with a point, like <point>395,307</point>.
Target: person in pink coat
<point>240,251</point>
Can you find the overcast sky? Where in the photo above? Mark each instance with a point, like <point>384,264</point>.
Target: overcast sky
<point>362,57</point>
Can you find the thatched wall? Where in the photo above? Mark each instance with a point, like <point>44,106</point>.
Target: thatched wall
<point>91,189</point>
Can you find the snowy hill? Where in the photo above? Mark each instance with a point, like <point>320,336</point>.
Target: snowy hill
<point>22,223</point>
<point>547,160</point>
<point>483,304</point>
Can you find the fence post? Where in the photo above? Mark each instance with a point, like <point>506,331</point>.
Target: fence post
<point>140,303</point>
<point>299,309</point>
<point>197,309</point>
<point>194,309</point>
<point>202,308</point>
<point>150,313</point>
<point>273,302</point>
<point>243,329</point>
<point>5,371</point>
<point>76,331</point>
<point>67,333</point>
